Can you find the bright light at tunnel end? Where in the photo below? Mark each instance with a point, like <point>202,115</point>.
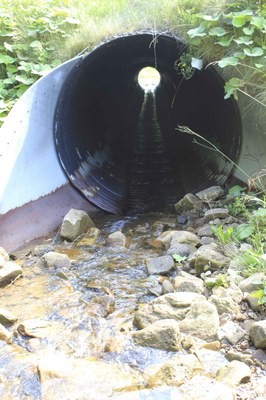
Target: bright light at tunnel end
<point>149,78</point>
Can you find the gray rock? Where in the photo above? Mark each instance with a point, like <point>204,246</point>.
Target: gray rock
<point>5,335</point>
<point>182,249</point>
<point>162,335</point>
<point>253,282</point>
<point>206,230</point>
<point>175,372</point>
<point>208,255</point>
<point>4,257</point>
<point>171,238</point>
<point>210,194</point>
<point>169,306</point>
<point>188,283</point>
<point>117,239</point>
<point>232,291</point>
<point>57,260</point>
<point>258,334</point>
<point>9,272</point>
<point>225,305</point>
<point>187,203</point>
<point>253,302</point>
<point>75,223</point>
<point>167,287</point>
<point>6,317</point>
<point>234,373</point>
<point>231,332</point>
<point>214,213</point>
<point>206,240</point>
<point>42,249</point>
<point>160,265</point>
<point>201,321</point>
<point>259,355</point>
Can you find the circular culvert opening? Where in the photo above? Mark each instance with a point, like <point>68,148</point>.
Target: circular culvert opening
<point>148,79</point>
<point>118,143</point>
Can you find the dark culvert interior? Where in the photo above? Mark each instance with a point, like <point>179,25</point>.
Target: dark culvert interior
<point>118,143</point>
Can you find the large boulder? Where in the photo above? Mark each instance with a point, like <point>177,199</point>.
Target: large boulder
<point>164,335</point>
<point>75,223</point>
<point>169,306</point>
<point>210,194</point>
<point>187,203</point>
<point>208,255</point>
<point>202,321</point>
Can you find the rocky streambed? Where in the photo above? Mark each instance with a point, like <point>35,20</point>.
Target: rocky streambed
<point>141,306</point>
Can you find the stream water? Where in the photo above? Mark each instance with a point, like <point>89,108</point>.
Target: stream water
<point>89,309</point>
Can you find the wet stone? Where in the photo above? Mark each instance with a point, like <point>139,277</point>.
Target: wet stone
<point>36,328</point>
<point>6,317</point>
<point>56,260</point>
<point>9,272</point>
<point>162,335</point>
<point>117,239</point>
<point>160,265</point>
<point>75,223</point>
<point>5,335</point>
<point>42,249</point>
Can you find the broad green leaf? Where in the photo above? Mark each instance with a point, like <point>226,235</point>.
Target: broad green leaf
<point>259,65</point>
<point>228,61</point>
<point>248,30</point>
<point>24,79</point>
<point>239,21</point>
<point>225,42</point>
<point>5,59</point>
<point>239,54</point>
<point>235,82</point>
<point>36,44</point>
<point>236,190</point>
<point>254,52</point>
<point>199,31</point>
<point>243,231</point>
<point>217,31</point>
<point>257,294</point>
<point>22,89</point>
<point>209,17</point>
<point>8,47</point>
<point>243,40</point>
<point>259,22</point>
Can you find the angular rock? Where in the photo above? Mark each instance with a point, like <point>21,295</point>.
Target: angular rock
<point>214,213</point>
<point>89,238</point>
<point>175,372</point>
<point>225,305</point>
<point>57,260</point>
<point>232,291</point>
<point>162,335</point>
<point>4,257</point>
<point>169,306</point>
<point>75,223</point>
<point>207,255</point>
<point>160,265</point>
<point>258,334</point>
<point>231,332</point>
<point>42,249</point>
<point>182,249</point>
<point>206,230</point>
<point>6,317</point>
<point>170,238</point>
<point>117,239</point>
<point>234,373</point>
<point>36,328</point>
<point>203,388</point>
<point>206,240</point>
<point>9,272</point>
<point>187,203</point>
<point>201,321</point>
<point>253,282</point>
<point>167,287</point>
<point>210,194</point>
<point>188,283</point>
<point>5,335</point>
